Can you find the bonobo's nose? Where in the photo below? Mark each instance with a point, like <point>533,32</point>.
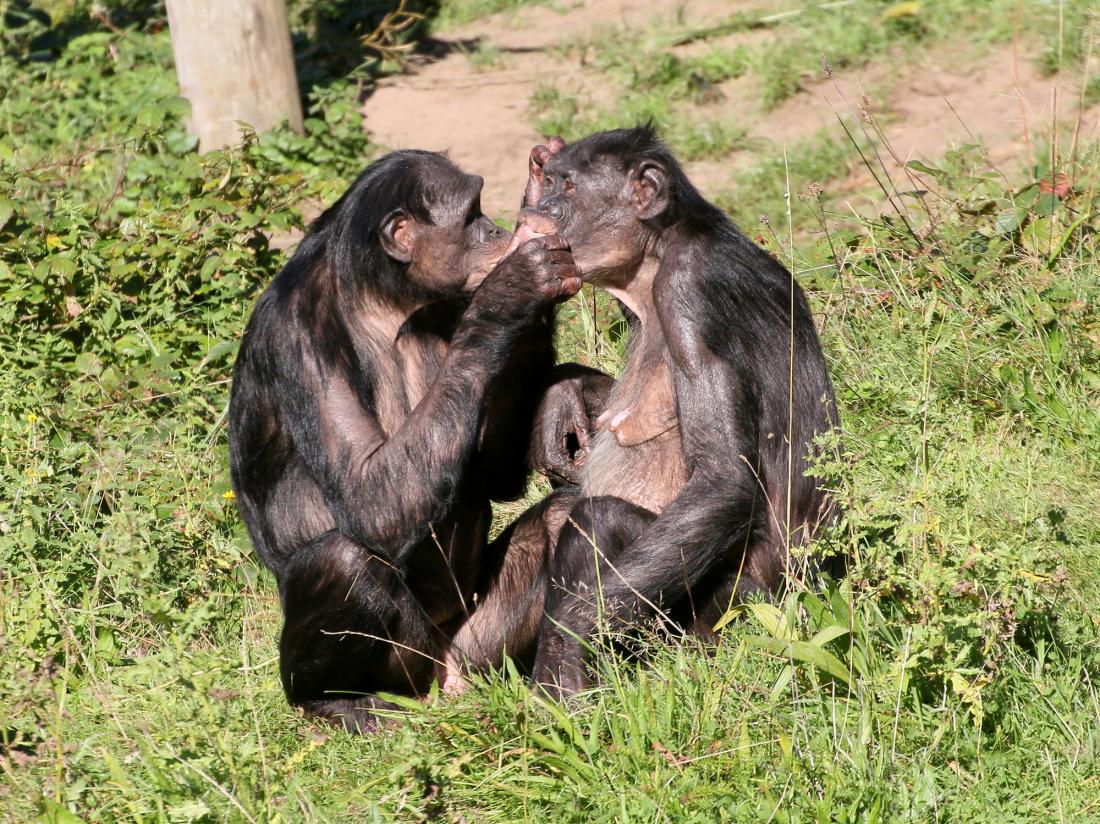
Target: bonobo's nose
<point>551,206</point>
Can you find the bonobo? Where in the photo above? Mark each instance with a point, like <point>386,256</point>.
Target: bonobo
<point>385,392</point>
<point>695,489</point>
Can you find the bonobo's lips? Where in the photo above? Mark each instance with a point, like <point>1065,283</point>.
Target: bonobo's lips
<point>532,224</point>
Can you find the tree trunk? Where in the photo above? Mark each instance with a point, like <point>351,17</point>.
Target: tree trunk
<point>235,64</point>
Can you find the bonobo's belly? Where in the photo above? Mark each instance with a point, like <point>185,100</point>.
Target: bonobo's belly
<point>648,474</point>
<point>638,454</point>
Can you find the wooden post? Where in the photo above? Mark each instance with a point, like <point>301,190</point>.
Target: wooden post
<point>234,63</point>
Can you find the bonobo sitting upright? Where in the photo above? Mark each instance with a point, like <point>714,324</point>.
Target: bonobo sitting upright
<point>695,489</point>
<point>385,391</point>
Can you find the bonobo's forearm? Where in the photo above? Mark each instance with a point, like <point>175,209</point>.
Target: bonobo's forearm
<point>513,397</point>
<point>421,466</point>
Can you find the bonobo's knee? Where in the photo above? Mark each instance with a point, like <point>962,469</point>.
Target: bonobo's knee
<point>607,522</point>
<point>351,625</point>
<point>597,531</point>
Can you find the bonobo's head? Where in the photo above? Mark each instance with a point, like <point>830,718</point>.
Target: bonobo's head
<point>613,195</point>
<point>411,228</point>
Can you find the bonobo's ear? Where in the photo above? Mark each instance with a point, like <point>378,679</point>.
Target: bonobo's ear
<point>396,235</point>
<point>650,183</point>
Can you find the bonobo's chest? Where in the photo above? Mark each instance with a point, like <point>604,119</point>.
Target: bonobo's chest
<point>637,454</point>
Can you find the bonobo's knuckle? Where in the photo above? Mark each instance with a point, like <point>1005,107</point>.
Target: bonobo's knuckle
<point>555,241</point>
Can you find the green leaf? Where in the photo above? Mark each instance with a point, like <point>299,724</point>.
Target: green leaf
<point>1055,345</point>
<point>908,9</point>
<point>1046,205</point>
<point>774,621</point>
<point>7,209</point>
<point>805,653</point>
<point>1008,222</point>
<point>54,813</point>
<point>924,167</point>
<point>828,634</point>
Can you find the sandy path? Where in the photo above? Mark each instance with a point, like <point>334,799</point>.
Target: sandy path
<point>482,119</point>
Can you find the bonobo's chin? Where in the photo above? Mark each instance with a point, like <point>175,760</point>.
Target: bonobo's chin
<point>487,264</point>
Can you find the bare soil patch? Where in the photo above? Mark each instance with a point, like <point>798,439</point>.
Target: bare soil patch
<point>482,117</point>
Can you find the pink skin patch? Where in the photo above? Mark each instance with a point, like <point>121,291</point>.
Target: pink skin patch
<point>450,677</point>
<point>612,423</point>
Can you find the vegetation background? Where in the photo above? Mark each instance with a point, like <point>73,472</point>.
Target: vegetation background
<point>952,677</point>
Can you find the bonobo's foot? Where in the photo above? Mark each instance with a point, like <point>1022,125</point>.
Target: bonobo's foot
<point>560,669</point>
<point>450,677</point>
<point>356,715</point>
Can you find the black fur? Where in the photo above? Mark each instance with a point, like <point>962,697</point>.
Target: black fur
<point>375,536</point>
<point>731,315</point>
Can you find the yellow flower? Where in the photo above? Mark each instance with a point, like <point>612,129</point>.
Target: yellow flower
<point>31,417</point>
<point>229,496</point>
<point>52,241</point>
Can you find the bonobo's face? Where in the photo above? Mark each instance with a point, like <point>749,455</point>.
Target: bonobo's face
<point>463,245</point>
<point>460,246</point>
<point>593,201</point>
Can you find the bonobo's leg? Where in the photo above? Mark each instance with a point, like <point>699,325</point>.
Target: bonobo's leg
<point>352,628</point>
<point>512,593</point>
<point>713,597</point>
<point>598,530</point>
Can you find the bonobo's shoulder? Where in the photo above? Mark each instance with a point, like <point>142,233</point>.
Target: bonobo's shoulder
<point>722,259</point>
<point>691,261</point>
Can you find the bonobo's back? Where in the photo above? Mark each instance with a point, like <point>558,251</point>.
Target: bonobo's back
<point>751,290</point>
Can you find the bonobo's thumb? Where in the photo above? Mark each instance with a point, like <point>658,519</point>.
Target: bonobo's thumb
<point>531,224</point>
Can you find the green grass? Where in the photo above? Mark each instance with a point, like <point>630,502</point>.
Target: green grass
<point>457,12</point>
<point>951,677</point>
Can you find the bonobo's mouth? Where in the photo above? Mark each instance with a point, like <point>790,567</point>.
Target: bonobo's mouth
<point>531,224</point>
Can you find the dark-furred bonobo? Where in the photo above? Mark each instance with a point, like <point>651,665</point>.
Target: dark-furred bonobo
<point>695,488</point>
<point>384,393</point>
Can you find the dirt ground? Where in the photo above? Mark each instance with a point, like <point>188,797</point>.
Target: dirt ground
<point>482,118</point>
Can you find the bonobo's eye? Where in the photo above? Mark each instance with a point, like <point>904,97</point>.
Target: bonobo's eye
<point>548,181</point>
<point>569,185</point>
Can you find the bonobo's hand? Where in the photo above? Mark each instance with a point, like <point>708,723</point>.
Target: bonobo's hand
<point>539,155</point>
<point>565,422</point>
<point>540,271</point>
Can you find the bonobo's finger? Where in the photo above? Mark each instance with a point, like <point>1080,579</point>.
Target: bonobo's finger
<point>561,257</point>
<point>522,235</point>
<point>539,155</point>
<point>544,151</point>
<point>554,242</point>
<point>570,285</point>
<point>537,221</point>
<point>531,224</point>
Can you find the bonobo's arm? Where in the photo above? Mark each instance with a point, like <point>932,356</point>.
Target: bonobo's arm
<point>571,396</point>
<point>513,399</point>
<point>386,493</point>
<point>722,498</point>
<point>541,417</point>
